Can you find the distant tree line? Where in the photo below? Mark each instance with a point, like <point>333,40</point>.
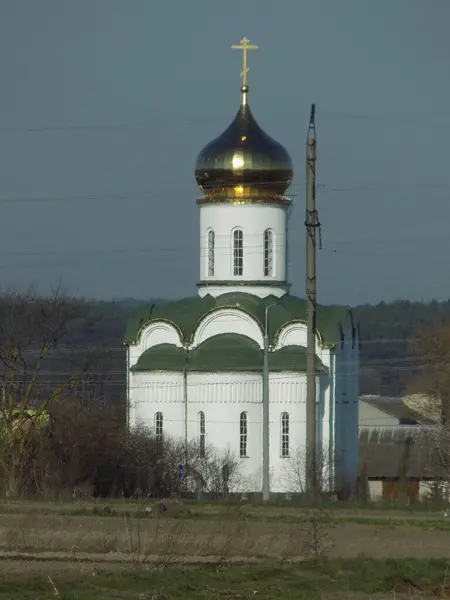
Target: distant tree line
<point>388,361</point>
<point>386,328</point>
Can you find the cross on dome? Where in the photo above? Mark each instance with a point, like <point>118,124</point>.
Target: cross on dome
<point>244,46</point>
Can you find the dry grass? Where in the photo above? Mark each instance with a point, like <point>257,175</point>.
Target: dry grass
<point>284,553</point>
<point>171,536</point>
<point>331,580</point>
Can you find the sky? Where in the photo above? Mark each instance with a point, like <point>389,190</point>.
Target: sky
<point>105,104</point>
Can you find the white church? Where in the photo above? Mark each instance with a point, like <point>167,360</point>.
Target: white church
<point>195,365</point>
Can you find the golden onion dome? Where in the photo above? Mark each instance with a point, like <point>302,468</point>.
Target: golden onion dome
<point>244,164</point>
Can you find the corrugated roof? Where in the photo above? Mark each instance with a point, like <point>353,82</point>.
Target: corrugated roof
<point>384,451</point>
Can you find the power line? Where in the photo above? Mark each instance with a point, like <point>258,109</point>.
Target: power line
<point>332,247</point>
<point>323,187</point>
<point>347,367</point>
<point>388,118</point>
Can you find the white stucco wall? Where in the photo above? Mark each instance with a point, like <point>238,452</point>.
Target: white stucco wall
<point>253,220</point>
<point>223,396</point>
<point>230,320</point>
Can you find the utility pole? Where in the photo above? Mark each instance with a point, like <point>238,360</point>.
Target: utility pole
<point>266,414</point>
<point>266,409</point>
<point>312,223</point>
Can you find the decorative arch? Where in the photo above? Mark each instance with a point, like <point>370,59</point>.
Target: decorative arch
<point>227,320</point>
<point>159,332</point>
<point>294,334</point>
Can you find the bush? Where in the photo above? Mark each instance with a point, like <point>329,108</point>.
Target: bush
<point>87,450</point>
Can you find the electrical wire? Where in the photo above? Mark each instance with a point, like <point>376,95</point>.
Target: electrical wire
<point>332,246</point>
<point>111,376</point>
<point>327,187</point>
<point>388,118</point>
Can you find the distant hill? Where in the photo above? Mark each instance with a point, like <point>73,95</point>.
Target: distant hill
<point>133,303</point>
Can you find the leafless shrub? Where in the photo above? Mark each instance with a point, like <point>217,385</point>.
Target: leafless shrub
<point>214,473</point>
<point>42,359</point>
<point>433,445</point>
<point>317,542</point>
<point>293,475</point>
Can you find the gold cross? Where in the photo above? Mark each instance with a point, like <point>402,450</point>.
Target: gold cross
<point>244,46</point>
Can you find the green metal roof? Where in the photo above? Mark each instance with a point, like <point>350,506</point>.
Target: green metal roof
<point>163,357</point>
<point>291,358</point>
<point>227,352</point>
<point>185,315</point>
<point>223,353</point>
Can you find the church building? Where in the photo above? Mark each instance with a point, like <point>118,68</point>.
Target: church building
<point>195,365</point>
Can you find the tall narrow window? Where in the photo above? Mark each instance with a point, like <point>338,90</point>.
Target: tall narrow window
<point>243,434</point>
<point>159,426</point>
<point>285,434</point>
<point>268,253</point>
<point>201,434</point>
<point>211,251</point>
<point>238,252</point>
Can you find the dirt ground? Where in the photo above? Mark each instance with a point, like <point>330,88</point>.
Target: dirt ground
<point>77,537</point>
<point>44,544</point>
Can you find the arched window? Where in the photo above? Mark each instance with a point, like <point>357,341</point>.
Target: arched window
<point>238,252</point>
<point>268,253</point>
<point>243,434</point>
<point>211,252</point>
<point>201,434</point>
<point>285,434</point>
<point>159,426</point>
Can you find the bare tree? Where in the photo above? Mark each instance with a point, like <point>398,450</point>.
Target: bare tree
<point>212,472</point>
<point>429,387</point>
<point>42,358</point>
<point>293,475</point>
<point>429,382</point>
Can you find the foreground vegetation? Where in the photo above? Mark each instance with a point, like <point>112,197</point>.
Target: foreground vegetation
<point>357,578</point>
<point>163,533</point>
<point>88,549</point>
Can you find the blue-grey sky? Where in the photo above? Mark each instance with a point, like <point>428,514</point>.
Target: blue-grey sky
<point>105,104</point>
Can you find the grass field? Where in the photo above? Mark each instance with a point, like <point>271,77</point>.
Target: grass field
<point>105,550</point>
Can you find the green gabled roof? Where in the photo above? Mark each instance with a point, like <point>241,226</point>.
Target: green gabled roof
<point>163,357</point>
<point>291,358</point>
<point>226,352</point>
<point>185,315</point>
<point>223,353</point>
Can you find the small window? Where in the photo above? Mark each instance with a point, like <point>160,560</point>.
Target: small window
<point>159,426</point>
<point>211,251</point>
<point>268,253</point>
<point>201,434</point>
<point>238,252</point>
<point>284,435</point>
<point>243,434</point>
